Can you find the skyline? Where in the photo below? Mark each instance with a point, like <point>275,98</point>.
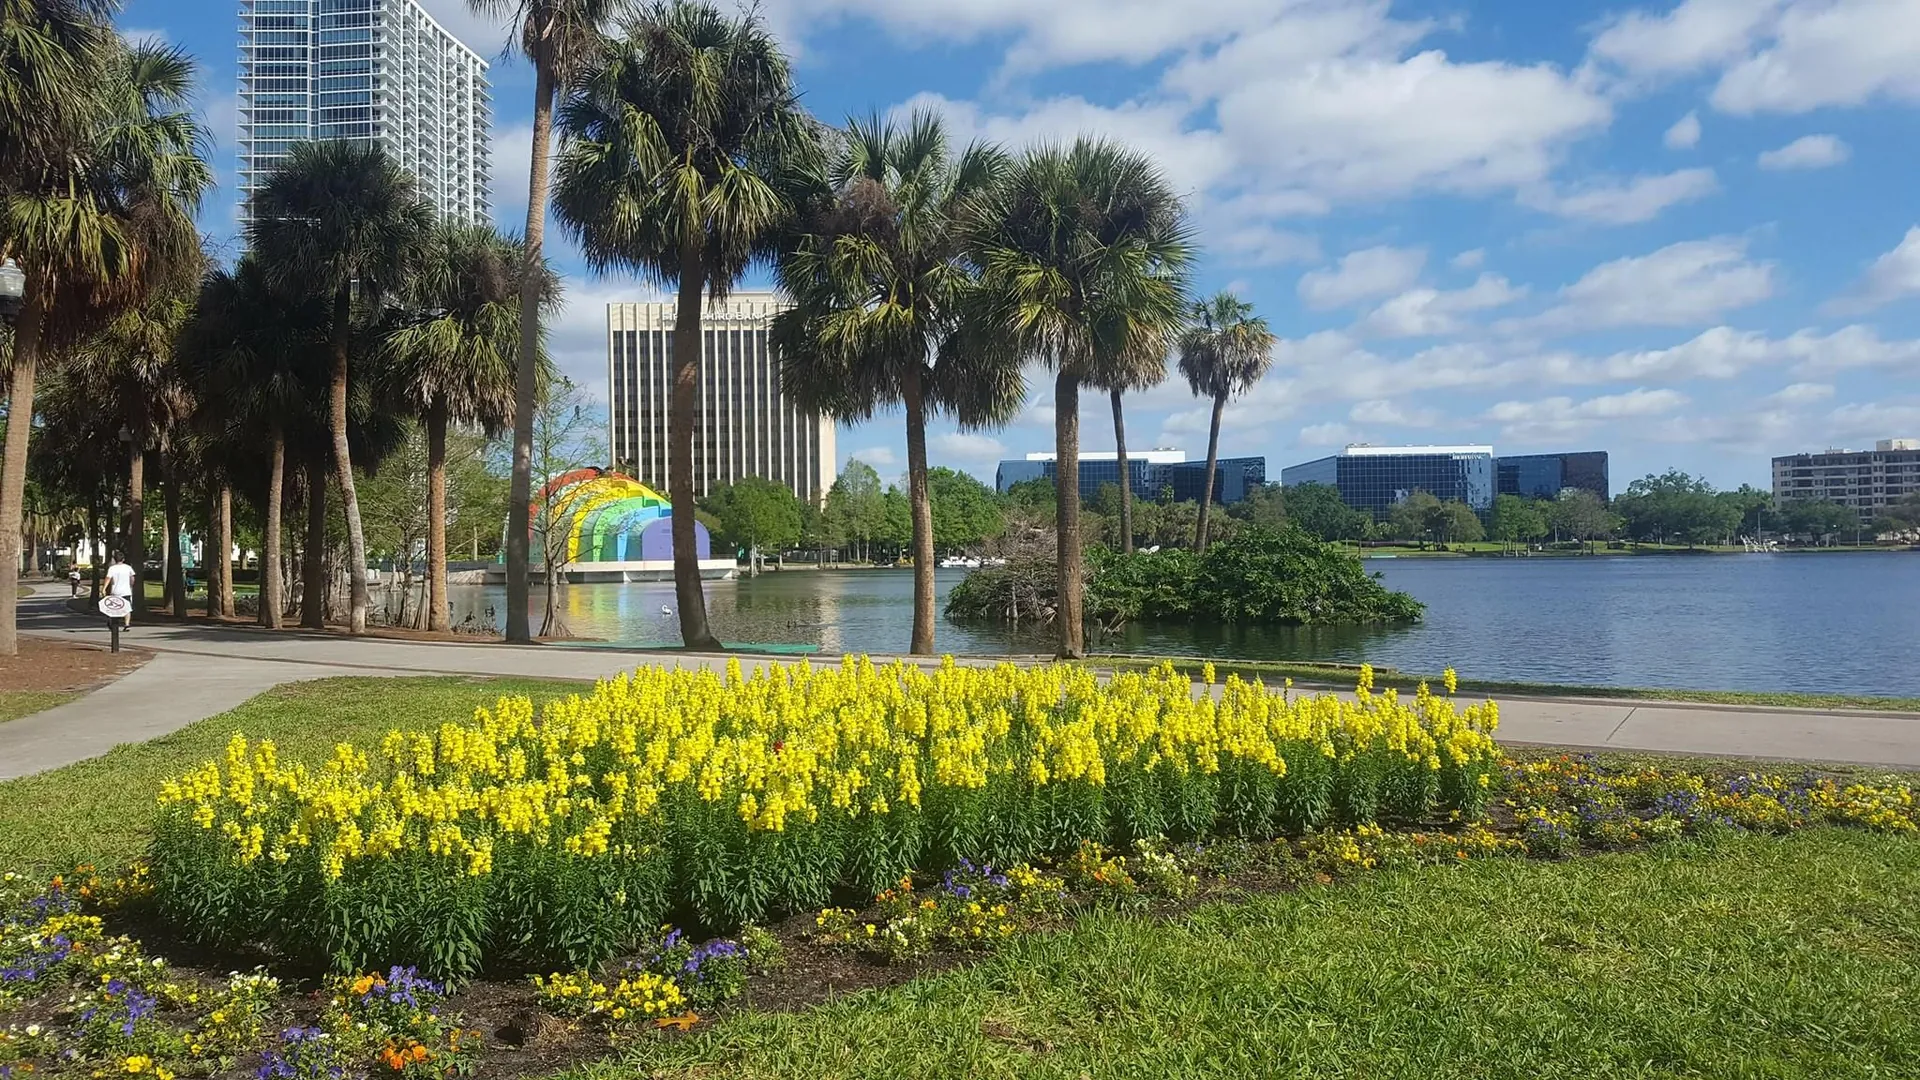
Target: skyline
<point>1670,231</point>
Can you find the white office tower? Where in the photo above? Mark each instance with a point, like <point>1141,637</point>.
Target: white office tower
<point>744,425</point>
<point>365,69</point>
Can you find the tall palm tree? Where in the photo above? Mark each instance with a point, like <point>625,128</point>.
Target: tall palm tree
<point>337,218</point>
<point>1145,370</point>
<point>683,152</point>
<point>101,171</point>
<point>258,359</point>
<point>559,37</point>
<point>1224,352</point>
<point>1083,254</point>
<point>885,308</point>
<point>453,358</point>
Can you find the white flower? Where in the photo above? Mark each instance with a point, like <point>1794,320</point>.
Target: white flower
<point>33,1031</point>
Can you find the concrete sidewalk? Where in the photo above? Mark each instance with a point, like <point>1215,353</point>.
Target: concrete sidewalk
<point>201,670</point>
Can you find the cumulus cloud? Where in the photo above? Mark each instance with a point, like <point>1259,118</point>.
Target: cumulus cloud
<point>1802,393</point>
<point>1392,414</point>
<point>1469,260</point>
<point>1807,152</point>
<point>1893,276</point>
<point>1328,434</point>
<point>1684,134</point>
<point>1694,36</point>
<point>1362,275</point>
<point>969,448</point>
<point>880,457</point>
<point>1562,417</point>
<point>1690,282</point>
<point>1625,202</point>
<point>1427,312</point>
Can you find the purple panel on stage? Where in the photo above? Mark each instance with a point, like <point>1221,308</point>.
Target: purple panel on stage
<point>656,541</point>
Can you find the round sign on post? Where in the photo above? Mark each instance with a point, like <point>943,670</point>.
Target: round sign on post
<point>115,607</point>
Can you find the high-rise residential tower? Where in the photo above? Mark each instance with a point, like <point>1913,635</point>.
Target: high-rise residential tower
<point>365,69</point>
<point>744,425</point>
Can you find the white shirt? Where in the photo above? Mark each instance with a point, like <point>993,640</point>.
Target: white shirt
<point>120,579</point>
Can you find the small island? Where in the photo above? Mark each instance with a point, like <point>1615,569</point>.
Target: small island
<point>1260,576</point>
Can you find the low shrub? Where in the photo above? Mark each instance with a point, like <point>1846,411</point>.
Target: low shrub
<point>555,841</point>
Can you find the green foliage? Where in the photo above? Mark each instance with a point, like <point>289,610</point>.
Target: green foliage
<point>756,514</point>
<point>1677,508</point>
<point>1579,514</point>
<point>1035,494</point>
<point>856,508</point>
<point>1517,520</point>
<point>965,512</point>
<point>1259,575</point>
<point>1820,519</point>
<point>1422,516</point>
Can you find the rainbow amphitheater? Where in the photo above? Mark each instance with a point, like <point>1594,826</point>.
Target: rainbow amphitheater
<point>608,527</point>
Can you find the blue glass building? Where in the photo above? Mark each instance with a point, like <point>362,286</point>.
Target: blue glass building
<point>1376,478</point>
<point>1150,473</point>
<point>1545,476</point>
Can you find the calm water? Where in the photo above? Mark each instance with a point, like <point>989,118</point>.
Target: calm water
<point>1744,622</point>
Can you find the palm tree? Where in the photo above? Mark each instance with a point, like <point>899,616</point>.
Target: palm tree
<point>1224,352</point>
<point>884,306</point>
<point>453,359</point>
<point>102,170</point>
<point>683,153</point>
<point>559,37</point>
<point>1083,253</point>
<point>1146,370</point>
<point>257,357</point>
<point>337,218</point>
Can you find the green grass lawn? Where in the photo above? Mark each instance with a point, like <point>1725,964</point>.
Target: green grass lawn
<point>101,810</point>
<point>1754,957</point>
<point>15,704</point>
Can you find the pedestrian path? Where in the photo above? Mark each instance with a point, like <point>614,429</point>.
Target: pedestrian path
<point>200,671</point>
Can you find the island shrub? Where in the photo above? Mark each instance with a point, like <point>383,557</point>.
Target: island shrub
<point>1281,576</point>
<point>560,839</point>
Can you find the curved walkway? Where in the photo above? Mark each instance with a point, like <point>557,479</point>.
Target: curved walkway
<point>200,671</point>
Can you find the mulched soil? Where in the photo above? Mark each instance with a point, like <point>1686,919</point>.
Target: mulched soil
<point>60,665</point>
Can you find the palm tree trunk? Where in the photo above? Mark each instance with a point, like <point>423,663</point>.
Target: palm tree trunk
<point>221,559</point>
<point>313,568</point>
<point>358,602</point>
<point>922,507</point>
<point>1066,443</point>
<point>134,532</point>
<point>271,601</point>
<point>13,462</point>
<point>439,613</point>
<point>1213,462</point>
<point>97,540</point>
<point>176,570</point>
<point>1126,478</point>
<point>694,631</point>
<point>526,366</point>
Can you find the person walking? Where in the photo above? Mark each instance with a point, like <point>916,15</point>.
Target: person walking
<point>73,578</point>
<point>120,583</point>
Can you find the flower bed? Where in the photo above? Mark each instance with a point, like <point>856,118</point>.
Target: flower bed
<point>564,839</point>
<point>78,999</point>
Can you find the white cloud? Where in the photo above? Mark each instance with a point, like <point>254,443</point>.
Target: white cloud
<point>1562,417</point>
<point>577,332</point>
<point>1872,420</point>
<point>1724,353</point>
<point>1614,203</point>
<point>1803,393</point>
<point>1828,53</point>
<point>880,457</point>
<point>970,448</point>
<point>1848,348</point>
<point>1392,414</point>
<point>1807,152</point>
<point>1362,275</point>
<point>1427,312</point>
<point>1469,260</point>
<point>143,35</point>
<point>1328,434</point>
<point>1893,276</point>
<point>486,34</point>
<point>511,164</point>
<point>1694,36</point>
<point>1690,282</point>
<point>1684,134</point>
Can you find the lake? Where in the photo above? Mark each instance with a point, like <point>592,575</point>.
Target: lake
<point>1798,622</point>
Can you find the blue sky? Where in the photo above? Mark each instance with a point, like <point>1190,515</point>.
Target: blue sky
<point>1682,233</point>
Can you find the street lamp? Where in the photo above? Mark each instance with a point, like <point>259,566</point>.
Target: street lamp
<point>13,288</point>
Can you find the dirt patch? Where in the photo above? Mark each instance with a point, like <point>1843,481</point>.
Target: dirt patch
<point>63,666</point>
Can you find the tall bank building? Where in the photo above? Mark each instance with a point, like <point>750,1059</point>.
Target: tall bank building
<point>744,424</point>
<point>381,70</point>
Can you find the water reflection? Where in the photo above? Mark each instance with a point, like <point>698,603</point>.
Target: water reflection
<point>1833,623</point>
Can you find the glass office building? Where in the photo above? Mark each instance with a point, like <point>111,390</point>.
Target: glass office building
<point>1545,476</point>
<point>1152,472</point>
<point>377,70</point>
<point>1376,478</point>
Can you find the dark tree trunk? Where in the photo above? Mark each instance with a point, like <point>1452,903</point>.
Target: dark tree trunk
<point>272,592</point>
<point>694,632</point>
<point>1213,462</point>
<point>96,538</point>
<point>313,569</point>
<point>526,362</point>
<point>13,459</point>
<point>1126,478</point>
<point>222,559</point>
<point>439,613</point>
<point>922,508</point>
<point>1066,432</point>
<point>133,534</point>
<point>176,569</point>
